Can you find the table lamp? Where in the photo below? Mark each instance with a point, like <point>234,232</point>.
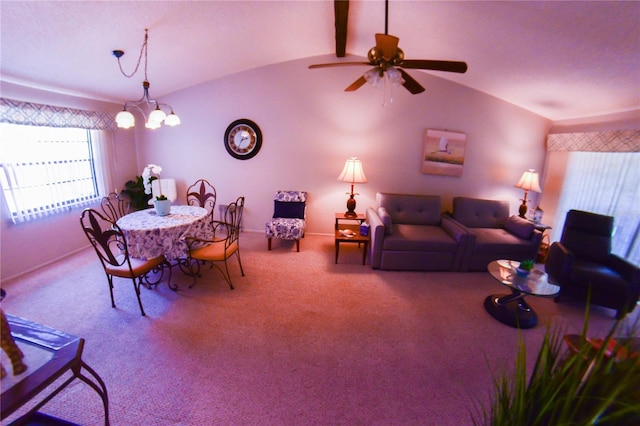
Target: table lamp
<point>352,173</point>
<point>528,182</point>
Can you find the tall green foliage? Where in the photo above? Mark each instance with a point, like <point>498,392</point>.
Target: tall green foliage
<point>589,387</point>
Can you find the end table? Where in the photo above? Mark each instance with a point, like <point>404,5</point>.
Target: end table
<point>355,238</point>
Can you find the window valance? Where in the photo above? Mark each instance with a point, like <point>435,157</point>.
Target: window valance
<point>27,113</point>
<point>612,141</point>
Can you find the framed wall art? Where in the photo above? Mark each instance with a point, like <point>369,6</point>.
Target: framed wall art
<point>443,152</point>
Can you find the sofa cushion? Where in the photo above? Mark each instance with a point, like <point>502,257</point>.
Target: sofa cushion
<point>490,240</point>
<point>419,238</point>
<point>411,209</point>
<point>479,213</point>
<point>520,227</point>
<point>385,217</point>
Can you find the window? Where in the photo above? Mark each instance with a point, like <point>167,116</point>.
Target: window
<point>606,183</point>
<point>45,170</point>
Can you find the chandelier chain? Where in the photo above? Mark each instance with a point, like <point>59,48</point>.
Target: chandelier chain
<point>142,49</point>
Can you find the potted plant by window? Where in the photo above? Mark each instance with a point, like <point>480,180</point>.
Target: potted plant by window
<point>161,203</point>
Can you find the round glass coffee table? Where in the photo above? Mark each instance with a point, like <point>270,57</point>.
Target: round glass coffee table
<point>511,309</point>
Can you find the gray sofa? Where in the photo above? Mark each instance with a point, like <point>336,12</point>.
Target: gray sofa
<point>492,234</point>
<point>408,232</point>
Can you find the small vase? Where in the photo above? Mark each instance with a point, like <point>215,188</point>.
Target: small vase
<point>522,272</point>
<point>163,207</point>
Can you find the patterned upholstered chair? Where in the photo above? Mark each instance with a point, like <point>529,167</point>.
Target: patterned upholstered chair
<point>288,222</point>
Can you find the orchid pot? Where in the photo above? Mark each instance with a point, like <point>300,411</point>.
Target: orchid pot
<point>163,207</point>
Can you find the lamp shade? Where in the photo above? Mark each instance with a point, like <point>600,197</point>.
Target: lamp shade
<point>352,172</point>
<point>529,181</point>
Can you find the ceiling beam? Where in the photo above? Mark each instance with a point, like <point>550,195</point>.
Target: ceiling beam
<point>341,9</point>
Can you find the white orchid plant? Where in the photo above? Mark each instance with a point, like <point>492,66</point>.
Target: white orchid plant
<point>149,174</point>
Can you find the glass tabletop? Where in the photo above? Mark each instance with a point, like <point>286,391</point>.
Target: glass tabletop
<point>535,284</point>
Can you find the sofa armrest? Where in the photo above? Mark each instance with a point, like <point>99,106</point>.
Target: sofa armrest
<point>465,239</point>
<point>376,237</point>
<point>559,264</point>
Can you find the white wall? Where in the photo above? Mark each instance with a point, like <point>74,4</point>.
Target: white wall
<point>311,126</point>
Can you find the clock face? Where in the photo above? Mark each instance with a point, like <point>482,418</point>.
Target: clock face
<point>243,139</point>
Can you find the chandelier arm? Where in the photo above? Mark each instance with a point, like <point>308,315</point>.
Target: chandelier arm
<point>134,106</point>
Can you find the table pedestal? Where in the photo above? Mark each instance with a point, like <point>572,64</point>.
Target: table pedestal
<point>511,309</point>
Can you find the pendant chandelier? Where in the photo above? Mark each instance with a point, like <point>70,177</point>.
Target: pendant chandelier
<point>145,105</point>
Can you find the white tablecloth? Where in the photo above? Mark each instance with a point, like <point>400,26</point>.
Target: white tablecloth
<point>149,235</point>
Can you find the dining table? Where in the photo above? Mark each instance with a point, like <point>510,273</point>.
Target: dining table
<point>149,235</point>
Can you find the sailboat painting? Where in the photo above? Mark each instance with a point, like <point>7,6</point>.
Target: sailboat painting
<point>443,152</point>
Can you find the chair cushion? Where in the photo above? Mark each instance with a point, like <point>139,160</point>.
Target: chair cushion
<point>587,246</point>
<point>285,228</point>
<point>138,266</point>
<point>289,209</point>
<point>385,217</point>
<point>520,227</point>
<point>214,251</point>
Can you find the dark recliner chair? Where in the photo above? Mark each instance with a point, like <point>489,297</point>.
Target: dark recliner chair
<point>584,267</point>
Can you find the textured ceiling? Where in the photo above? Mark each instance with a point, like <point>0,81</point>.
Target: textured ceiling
<point>561,60</point>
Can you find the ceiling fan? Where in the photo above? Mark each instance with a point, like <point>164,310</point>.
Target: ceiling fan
<point>388,61</point>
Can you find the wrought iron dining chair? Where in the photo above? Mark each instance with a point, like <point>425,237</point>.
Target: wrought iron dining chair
<point>202,194</point>
<point>115,206</point>
<point>223,244</point>
<point>110,245</point>
<point>289,217</point>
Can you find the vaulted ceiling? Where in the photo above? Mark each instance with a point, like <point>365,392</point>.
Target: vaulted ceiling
<point>561,60</point>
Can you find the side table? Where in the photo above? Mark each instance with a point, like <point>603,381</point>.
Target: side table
<point>63,353</point>
<point>356,238</point>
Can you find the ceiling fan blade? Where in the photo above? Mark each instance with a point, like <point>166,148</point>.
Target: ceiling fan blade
<point>425,64</point>
<point>387,45</point>
<point>410,84</point>
<point>337,64</point>
<point>356,84</point>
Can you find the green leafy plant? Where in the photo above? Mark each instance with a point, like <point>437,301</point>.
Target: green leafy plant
<point>595,384</point>
<point>134,189</point>
<point>161,197</point>
<point>527,265</point>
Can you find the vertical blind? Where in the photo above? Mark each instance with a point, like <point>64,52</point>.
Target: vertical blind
<point>67,165</point>
<point>606,183</point>
<point>46,170</point>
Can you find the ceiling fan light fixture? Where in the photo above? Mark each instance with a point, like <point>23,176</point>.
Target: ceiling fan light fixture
<point>393,76</point>
<point>373,76</point>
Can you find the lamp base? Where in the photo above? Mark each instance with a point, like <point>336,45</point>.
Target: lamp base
<point>351,207</point>
<point>523,209</point>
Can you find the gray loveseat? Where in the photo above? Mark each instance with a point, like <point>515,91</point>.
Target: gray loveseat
<point>408,232</point>
<point>492,234</point>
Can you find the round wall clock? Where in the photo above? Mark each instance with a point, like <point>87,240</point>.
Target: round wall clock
<point>243,139</point>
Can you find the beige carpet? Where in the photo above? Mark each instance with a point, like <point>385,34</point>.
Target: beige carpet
<point>300,341</point>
